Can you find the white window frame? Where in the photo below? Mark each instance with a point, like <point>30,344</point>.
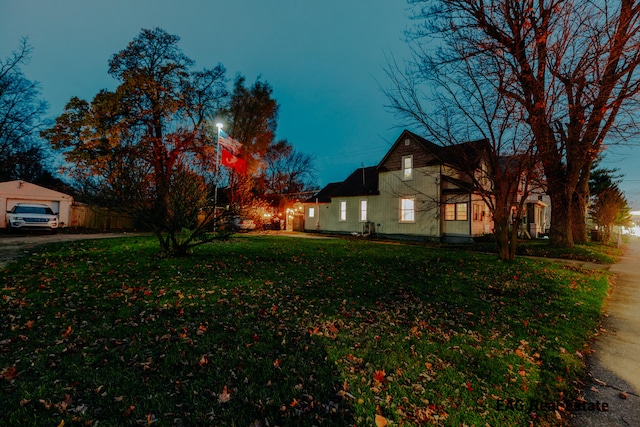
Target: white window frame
<point>407,213</point>
<point>407,170</point>
<point>363,210</point>
<point>342,215</point>
<point>312,212</point>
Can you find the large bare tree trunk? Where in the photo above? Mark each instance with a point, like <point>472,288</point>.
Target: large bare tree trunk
<point>579,216</point>
<point>580,203</point>
<point>560,232</point>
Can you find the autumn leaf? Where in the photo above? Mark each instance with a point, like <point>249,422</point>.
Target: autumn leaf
<point>225,396</point>
<point>379,376</point>
<point>67,332</point>
<point>294,403</point>
<point>381,421</point>
<point>10,373</point>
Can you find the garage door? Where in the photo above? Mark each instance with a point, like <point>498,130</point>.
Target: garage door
<point>54,205</point>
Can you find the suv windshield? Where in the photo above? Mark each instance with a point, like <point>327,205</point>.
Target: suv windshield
<point>33,210</point>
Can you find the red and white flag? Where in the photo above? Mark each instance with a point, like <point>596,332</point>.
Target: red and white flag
<point>229,143</point>
<point>234,162</point>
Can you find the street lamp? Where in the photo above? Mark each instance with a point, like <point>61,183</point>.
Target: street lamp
<point>215,194</point>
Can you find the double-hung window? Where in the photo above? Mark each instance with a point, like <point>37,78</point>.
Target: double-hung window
<point>407,209</point>
<point>343,210</point>
<point>407,168</point>
<point>363,210</point>
<point>455,212</point>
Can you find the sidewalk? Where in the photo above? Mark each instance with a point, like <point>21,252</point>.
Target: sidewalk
<point>614,367</point>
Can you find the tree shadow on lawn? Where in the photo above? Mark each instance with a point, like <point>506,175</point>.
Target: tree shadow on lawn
<point>125,351</point>
<point>259,332</point>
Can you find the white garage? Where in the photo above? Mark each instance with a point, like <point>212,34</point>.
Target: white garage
<point>13,192</point>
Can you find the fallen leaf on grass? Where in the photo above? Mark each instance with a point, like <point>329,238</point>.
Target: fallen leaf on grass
<point>379,375</point>
<point>203,361</point>
<point>10,373</point>
<point>67,332</point>
<point>381,421</point>
<point>225,396</point>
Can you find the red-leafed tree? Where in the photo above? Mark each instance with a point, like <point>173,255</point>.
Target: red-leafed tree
<point>144,147</point>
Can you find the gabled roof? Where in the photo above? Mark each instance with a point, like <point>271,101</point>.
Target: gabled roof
<point>25,190</point>
<point>325,194</point>
<point>361,182</point>
<point>459,156</point>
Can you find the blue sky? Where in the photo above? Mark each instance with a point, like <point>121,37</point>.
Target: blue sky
<point>324,60</point>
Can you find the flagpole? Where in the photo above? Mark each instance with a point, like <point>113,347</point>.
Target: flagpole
<point>215,194</point>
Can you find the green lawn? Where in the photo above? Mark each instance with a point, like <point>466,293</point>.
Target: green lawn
<point>588,252</point>
<point>275,331</point>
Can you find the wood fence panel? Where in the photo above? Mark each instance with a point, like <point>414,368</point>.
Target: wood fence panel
<point>94,218</point>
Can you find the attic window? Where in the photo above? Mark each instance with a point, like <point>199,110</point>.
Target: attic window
<point>407,141</point>
<point>407,168</point>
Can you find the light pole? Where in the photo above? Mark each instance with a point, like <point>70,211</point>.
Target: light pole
<point>215,194</point>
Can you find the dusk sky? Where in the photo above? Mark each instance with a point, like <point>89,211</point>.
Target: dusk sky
<point>324,60</point>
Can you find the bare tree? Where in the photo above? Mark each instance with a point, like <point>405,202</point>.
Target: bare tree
<point>21,117</point>
<point>570,66</point>
<point>465,105</point>
<point>288,171</point>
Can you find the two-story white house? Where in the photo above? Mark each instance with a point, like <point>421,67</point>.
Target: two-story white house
<point>418,190</point>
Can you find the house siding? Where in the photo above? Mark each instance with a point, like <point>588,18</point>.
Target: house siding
<point>421,157</point>
<point>431,184</point>
<point>423,188</point>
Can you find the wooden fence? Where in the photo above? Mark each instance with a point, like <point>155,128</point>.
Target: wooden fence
<point>93,218</point>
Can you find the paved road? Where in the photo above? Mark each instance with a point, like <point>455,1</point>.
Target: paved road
<point>13,247</point>
<point>614,368</point>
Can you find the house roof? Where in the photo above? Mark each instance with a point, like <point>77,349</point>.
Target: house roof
<point>325,194</point>
<point>26,191</point>
<point>460,156</point>
<point>361,182</point>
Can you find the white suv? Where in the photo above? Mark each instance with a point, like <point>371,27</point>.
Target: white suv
<point>32,216</point>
